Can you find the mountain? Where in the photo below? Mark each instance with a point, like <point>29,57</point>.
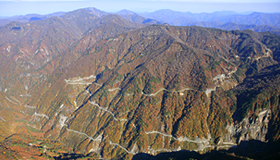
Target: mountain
<point>173,17</point>
<point>256,28</point>
<point>233,26</point>
<point>259,22</point>
<point>209,24</point>
<point>35,17</point>
<point>140,86</point>
<point>28,17</point>
<point>114,89</point>
<point>35,49</point>
<point>133,17</point>
<point>96,11</point>
<point>256,18</point>
<point>166,15</point>
<point>211,16</point>
<point>27,47</point>
<point>125,11</point>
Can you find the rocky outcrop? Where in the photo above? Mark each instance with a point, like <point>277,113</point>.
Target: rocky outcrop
<point>249,128</point>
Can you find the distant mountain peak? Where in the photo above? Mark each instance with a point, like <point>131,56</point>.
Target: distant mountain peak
<point>125,11</point>
<point>96,11</point>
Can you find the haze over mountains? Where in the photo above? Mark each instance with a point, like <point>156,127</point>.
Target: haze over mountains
<point>214,19</point>
<point>90,84</point>
<point>228,20</point>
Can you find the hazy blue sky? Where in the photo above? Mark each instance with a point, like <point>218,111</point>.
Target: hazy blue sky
<point>22,7</point>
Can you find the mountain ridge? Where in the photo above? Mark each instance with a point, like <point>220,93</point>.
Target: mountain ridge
<point>95,89</point>
<point>257,21</point>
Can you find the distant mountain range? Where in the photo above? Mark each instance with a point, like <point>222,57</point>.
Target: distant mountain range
<point>259,22</point>
<point>228,20</point>
<point>257,18</point>
<point>28,17</point>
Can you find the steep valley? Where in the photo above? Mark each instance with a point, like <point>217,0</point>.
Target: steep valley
<point>114,89</point>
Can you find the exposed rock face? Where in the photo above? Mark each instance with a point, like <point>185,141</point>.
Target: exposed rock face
<point>250,128</point>
<point>255,129</point>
